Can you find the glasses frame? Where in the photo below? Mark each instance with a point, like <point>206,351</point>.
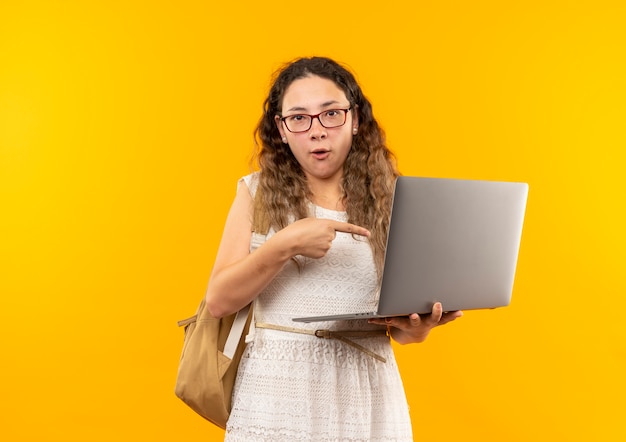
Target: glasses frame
<point>345,118</point>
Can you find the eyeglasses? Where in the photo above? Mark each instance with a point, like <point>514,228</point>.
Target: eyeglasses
<point>303,122</point>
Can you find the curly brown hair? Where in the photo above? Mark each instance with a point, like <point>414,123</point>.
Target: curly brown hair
<point>369,171</point>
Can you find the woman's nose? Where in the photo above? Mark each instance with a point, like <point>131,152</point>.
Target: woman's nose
<point>317,130</point>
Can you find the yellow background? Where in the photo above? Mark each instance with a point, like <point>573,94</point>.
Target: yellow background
<point>124,126</point>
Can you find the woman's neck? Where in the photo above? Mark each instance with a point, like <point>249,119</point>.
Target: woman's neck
<point>327,194</point>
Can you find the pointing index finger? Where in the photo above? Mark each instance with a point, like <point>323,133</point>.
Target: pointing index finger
<point>350,228</point>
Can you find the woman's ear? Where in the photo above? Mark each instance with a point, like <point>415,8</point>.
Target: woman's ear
<point>279,125</point>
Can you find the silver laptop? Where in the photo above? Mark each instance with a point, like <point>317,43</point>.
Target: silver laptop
<point>450,241</point>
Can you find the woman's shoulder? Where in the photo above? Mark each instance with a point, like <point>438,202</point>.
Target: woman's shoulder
<point>252,182</point>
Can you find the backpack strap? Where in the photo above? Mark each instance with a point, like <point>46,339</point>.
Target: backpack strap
<point>236,330</point>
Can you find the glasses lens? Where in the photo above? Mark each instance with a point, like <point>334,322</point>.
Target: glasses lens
<point>333,117</point>
<point>329,118</point>
<point>298,123</point>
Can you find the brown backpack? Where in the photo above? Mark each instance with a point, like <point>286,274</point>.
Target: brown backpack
<point>212,349</point>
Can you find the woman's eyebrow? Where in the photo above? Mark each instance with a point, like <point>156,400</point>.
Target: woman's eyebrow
<point>304,109</point>
<point>297,108</point>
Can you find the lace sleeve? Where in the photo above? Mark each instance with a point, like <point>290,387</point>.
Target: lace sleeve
<point>252,181</point>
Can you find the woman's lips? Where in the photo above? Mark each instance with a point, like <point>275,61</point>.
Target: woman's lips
<point>320,154</point>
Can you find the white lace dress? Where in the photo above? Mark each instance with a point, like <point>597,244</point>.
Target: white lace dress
<point>296,387</point>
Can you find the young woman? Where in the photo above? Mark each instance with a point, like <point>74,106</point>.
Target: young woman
<point>306,236</point>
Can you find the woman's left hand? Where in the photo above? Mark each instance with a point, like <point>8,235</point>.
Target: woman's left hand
<point>415,328</point>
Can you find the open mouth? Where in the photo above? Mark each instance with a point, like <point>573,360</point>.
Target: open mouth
<point>320,154</point>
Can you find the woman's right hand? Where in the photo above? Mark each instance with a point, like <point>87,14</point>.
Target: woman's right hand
<point>313,237</point>
<point>239,276</point>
